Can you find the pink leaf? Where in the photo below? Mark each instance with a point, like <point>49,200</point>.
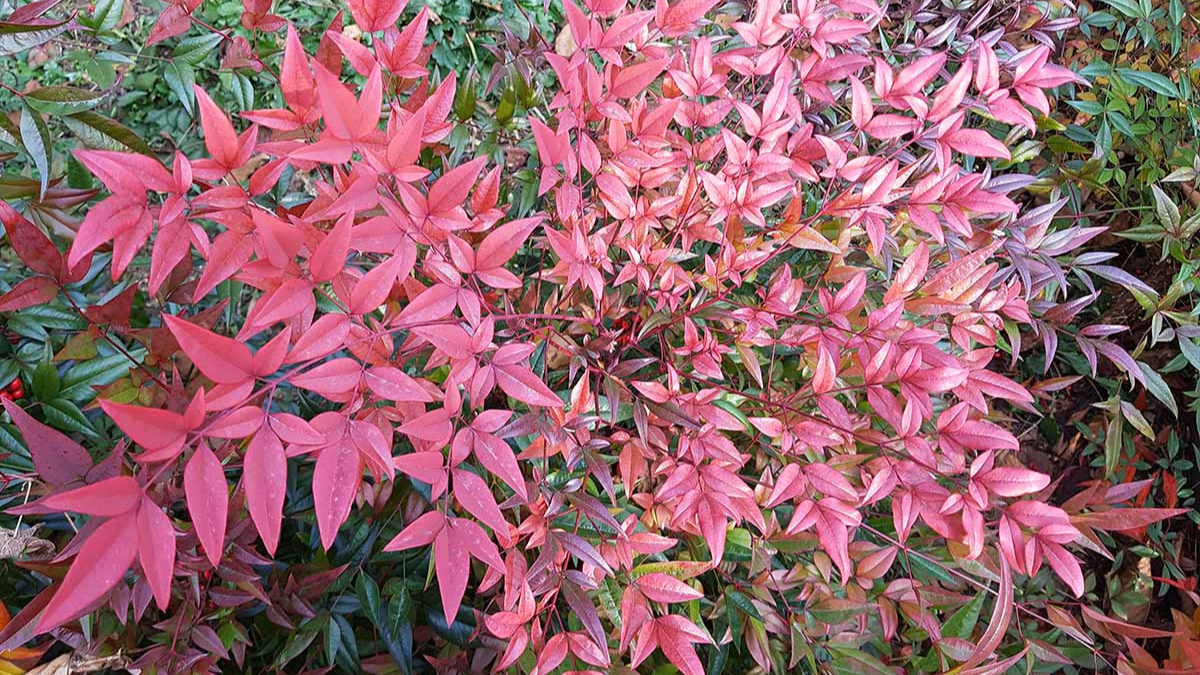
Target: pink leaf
<point>420,532</point>
<point>520,383</point>
<point>376,15</point>
<point>453,568</point>
<point>219,136</point>
<point>452,188</point>
<point>110,497</point>
<point>265,475</point>
<point>473,493</point>
<point>335,482</point>
<point>156,550</point>
<point>99,566</point>
<point>207,500</point>
<point>495,455</point>
<point>223,360</point>
<point>435,303</point>
<point>332,378</point>
<point>633,80</point>
<point>150,428</point>
<point>1013,482</point>
<point>976,143</point>
<point>661,587</point>
<point>57,458</point>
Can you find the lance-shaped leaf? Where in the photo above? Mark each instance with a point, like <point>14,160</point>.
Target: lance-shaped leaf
<point>57,458</point>
<point>264,471</point>
<point>336,479</point>
<point>223,360</point>
<point>156,550</point>
<point>99,566</point>
<point>376,15</point>
<point>208,500</point>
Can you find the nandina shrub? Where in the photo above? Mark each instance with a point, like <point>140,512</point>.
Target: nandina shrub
<point>729,396</point>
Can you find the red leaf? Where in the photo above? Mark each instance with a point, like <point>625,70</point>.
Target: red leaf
<point>332,378</point>
<point>295,76</point>
<point>473,493</point>
<point>451,189</point>
<point>230,251</point>
<point>111,497</point>
<point>453,569</point>
<point>57,458</point>
<point>434,304</point>
<point>32,246</point>
<point>325,336</point>
<point>495,456</point>
<point>173,20</point>
<point>207,500</point>
<point>156,550</point>
<point>223,360</point>
<point>1065,566</point>
<point>265,474</point>
<point>1125,519</point>
<point>976,143</point>
<point>330,256</point>
<point>675,638</point>
<point>520,383</point>
<point>29,293</point>
<point>99,566</point>
<point>420,532</point>
<point>219,136</point>
<point>335,482</point>
<point>1013,482</point>
<point>150,428</point>
<point>633,80</point>
<point>680,18</point>
<point>661,587</point>
<point>370,291</point>
<point>376,15</point>
<point>502,243</point>
<point>392,384</point>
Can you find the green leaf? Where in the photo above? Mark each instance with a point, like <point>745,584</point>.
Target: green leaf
<point>10,134</point>
<point>333,641</point>
<point>36,138</point>
<point>1129,8</point>
<point>195,49</point>
<point>1165,208</point>
<point>962,623</point>
<point>833,611</point>
<point>17,37</point>
<point>1157,386</point>
<point>45,381</point>
<point>737,599</point>
<point>849,660</point>
<point>1087,107</point>
<point>181,79</point>
<point>100,132</point>
<point>1155,82</point>
<point>107,15</point>
<point>78,381</point>
<point>349,643</point>
<point>1191,351</point>
<point>296,645</point>
<point>1113,435</point>
<point>457,633</point>
<point>63,100</point>
<point>55,317</point>
<point>368,597</point>
<point>242,89</point>
<point>67,416</point>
